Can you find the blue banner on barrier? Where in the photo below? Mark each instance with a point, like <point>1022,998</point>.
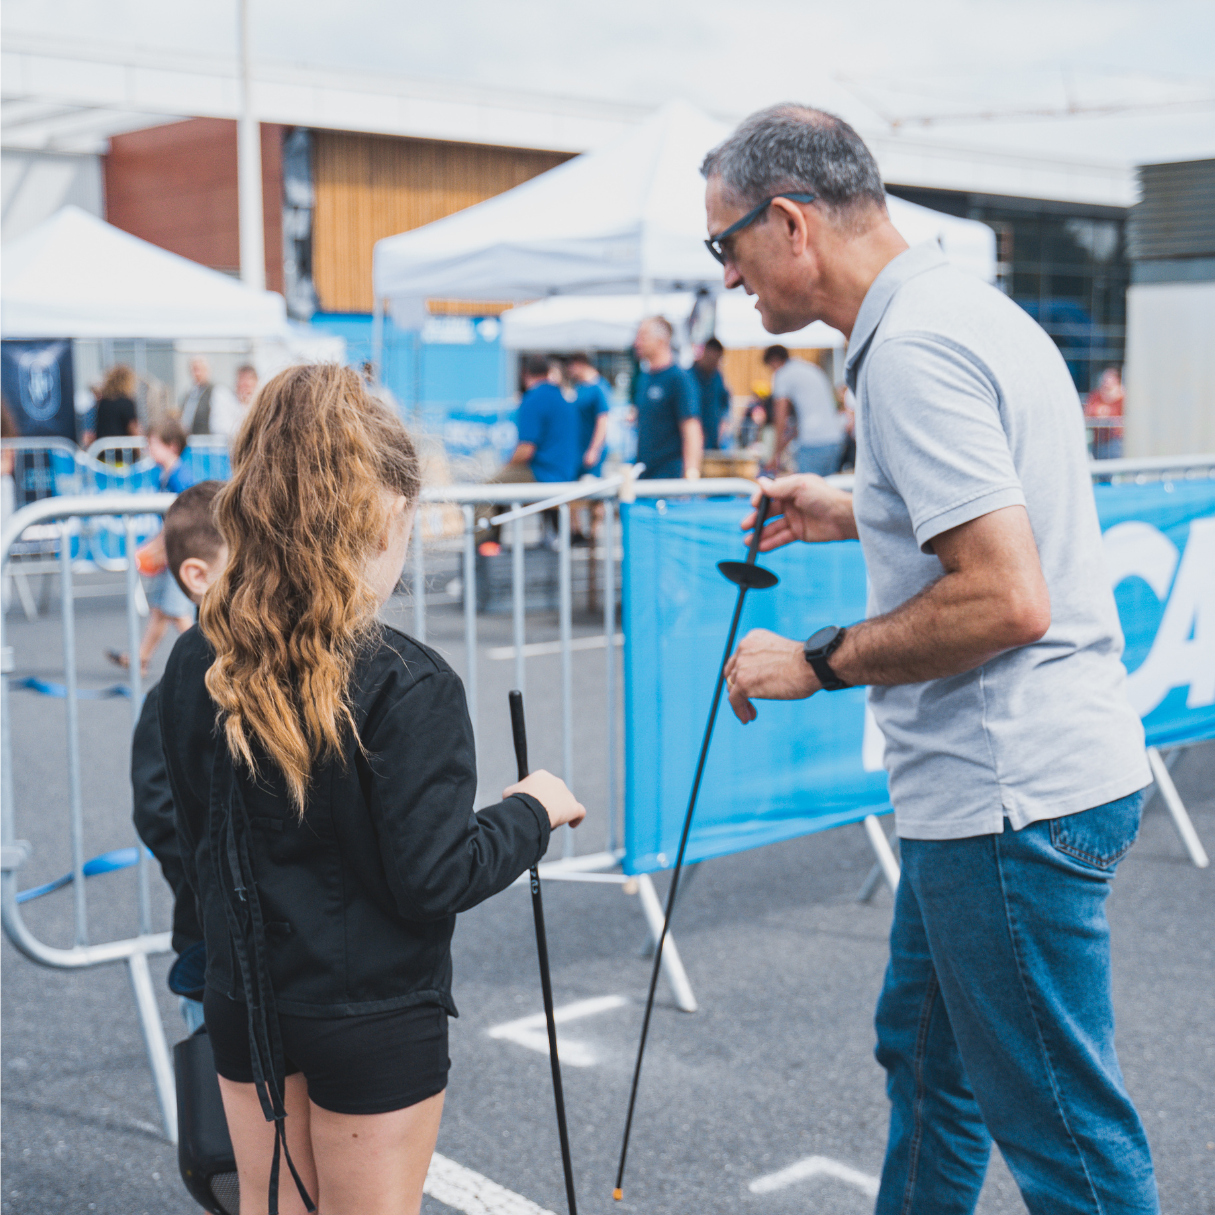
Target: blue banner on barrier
<point>1160,550</point>
<point>804,766</point>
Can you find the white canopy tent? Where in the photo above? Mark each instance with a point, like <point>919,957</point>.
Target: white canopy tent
<point>76,276</point>
<point>609,322</point>
<point>625,218</point>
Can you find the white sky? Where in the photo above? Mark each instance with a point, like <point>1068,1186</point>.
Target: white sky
<point>863,60</point>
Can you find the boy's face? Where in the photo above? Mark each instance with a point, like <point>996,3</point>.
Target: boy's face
<point>162,453</point>
<point>198,575</point>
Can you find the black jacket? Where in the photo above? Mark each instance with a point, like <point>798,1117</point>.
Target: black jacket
<point>358,901</point>
<point>156,823</point>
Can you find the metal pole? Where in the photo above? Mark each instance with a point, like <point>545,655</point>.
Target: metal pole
<point>419,583</point>
<point>154,1039</point>
<point>249,169</point>
<point>1176,807</point>
<point>517,593</point>
<point>609,639</point>
<point>68,607</point>
<point>377,339</point>
<point>135,678</point>
<point>882,850</point>
<point>470,615</point>
<point>565,613</point>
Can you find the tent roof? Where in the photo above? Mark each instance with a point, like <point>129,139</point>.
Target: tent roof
<point>609,322</point>
<point>76,276</point>
<point>604,223</point>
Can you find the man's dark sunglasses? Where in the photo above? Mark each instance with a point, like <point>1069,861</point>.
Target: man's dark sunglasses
<point>714,243</point>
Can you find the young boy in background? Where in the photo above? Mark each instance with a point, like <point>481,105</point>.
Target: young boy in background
<point>167,600</point>
<point>196,557</point>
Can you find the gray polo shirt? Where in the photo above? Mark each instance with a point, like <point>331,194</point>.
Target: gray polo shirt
<point>965,406</point>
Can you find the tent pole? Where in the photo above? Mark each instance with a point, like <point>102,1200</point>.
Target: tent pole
<point>377,340</point>
<point>249,171</point>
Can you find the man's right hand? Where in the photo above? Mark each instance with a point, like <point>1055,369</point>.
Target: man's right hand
<point>807,508</point>
<point>553,794</point>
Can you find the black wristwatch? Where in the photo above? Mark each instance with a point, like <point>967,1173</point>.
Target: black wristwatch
<point>818,649</point>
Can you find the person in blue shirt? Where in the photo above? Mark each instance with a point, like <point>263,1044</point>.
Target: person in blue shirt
<point>714,399</point>
<point>669,435</point>
<point>547,449</point>
<point>548,427</point>
<point>592,405</point>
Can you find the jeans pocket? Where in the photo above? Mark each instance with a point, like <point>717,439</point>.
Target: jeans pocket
<point>1102,836</point>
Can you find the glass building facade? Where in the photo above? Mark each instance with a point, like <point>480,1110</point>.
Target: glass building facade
<point>1064,263</point>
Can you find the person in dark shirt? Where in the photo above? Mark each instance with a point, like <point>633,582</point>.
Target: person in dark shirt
<point>196,554</point>
<point>547,449</point>
<point>116,416</point>
<point>714,399</point>
<point>324,777</point>
<point>548,427</point>
<point>592,405</point>
<point>669,436</point>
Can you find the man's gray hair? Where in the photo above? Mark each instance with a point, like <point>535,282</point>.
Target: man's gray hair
<point>796,148</point>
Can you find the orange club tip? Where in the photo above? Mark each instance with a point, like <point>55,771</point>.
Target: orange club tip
<point>618,1194</point>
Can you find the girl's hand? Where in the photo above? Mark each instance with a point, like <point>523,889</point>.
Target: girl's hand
<point>551,792</point>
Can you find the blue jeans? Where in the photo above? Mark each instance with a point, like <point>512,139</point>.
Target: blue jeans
<point>996,1022</point>
<point>823,459</point>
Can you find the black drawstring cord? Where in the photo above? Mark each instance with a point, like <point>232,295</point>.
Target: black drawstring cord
<point>244,913</point>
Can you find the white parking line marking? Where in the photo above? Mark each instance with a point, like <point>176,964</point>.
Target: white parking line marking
<point>540,649</point>
<point>815,1166</point>
<point>532,1031</point>
<point>461,1188</point>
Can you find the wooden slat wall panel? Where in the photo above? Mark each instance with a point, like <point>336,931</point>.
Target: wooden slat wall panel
<point>372,186</point>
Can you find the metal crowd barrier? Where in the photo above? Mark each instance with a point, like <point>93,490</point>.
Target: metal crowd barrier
<point>134,951</point>
<point>517,503</point>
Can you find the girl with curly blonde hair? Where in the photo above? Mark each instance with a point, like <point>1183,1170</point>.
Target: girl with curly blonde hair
<point>323,774</point>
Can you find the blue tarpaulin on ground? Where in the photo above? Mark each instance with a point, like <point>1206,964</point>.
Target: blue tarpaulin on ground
<point>804,766</point>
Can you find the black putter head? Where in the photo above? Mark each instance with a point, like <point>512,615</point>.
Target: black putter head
<point>743,573</point>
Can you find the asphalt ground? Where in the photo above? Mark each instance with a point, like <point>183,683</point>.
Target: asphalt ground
<point>776,1066</point>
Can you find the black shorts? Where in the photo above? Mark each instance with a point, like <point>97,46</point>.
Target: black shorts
<point>369,1064</point>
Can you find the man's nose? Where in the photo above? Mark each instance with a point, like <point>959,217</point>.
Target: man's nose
<point>732,277</point>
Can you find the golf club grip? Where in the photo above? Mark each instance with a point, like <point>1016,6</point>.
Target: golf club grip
<point>519,729</point>
<point>761,518</point>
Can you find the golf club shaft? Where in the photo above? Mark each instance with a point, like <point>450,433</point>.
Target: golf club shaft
<point>519,730</point>
<point>752,552</point>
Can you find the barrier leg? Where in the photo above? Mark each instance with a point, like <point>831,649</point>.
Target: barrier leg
<point>885,854</point>
<point>870,884</point>
<point>154,1040</point>
<point>672,965</point>
<point>1181,818</point>
<point>28,606</point>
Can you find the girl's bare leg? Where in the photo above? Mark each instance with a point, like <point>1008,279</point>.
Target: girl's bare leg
<point>373,1164</point>
<point>253,1144</point>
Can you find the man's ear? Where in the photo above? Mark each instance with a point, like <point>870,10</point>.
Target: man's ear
<point>795,224</point>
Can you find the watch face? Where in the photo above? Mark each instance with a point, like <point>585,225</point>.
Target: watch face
<point>822,639</point>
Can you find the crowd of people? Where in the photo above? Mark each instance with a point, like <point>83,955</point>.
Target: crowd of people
<point>206,408</point>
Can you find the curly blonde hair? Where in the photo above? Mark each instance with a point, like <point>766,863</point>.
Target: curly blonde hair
<point>302,514</point>
<point>119,381</point>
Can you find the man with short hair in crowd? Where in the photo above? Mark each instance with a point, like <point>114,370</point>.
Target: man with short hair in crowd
<point>992,651</point>
<point>547,449</point>
<point>802,390</point>
<point>714,399</point>
<point>669,436</point>
<point>204,400</point>
<point>228,411</point>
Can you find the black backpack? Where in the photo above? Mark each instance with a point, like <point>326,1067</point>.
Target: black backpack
<point>204,1148</point>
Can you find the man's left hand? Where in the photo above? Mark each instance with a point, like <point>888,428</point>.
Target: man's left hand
<point>767,666</point>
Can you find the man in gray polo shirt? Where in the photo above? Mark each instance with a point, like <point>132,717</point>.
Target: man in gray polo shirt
<point>992,651</point>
